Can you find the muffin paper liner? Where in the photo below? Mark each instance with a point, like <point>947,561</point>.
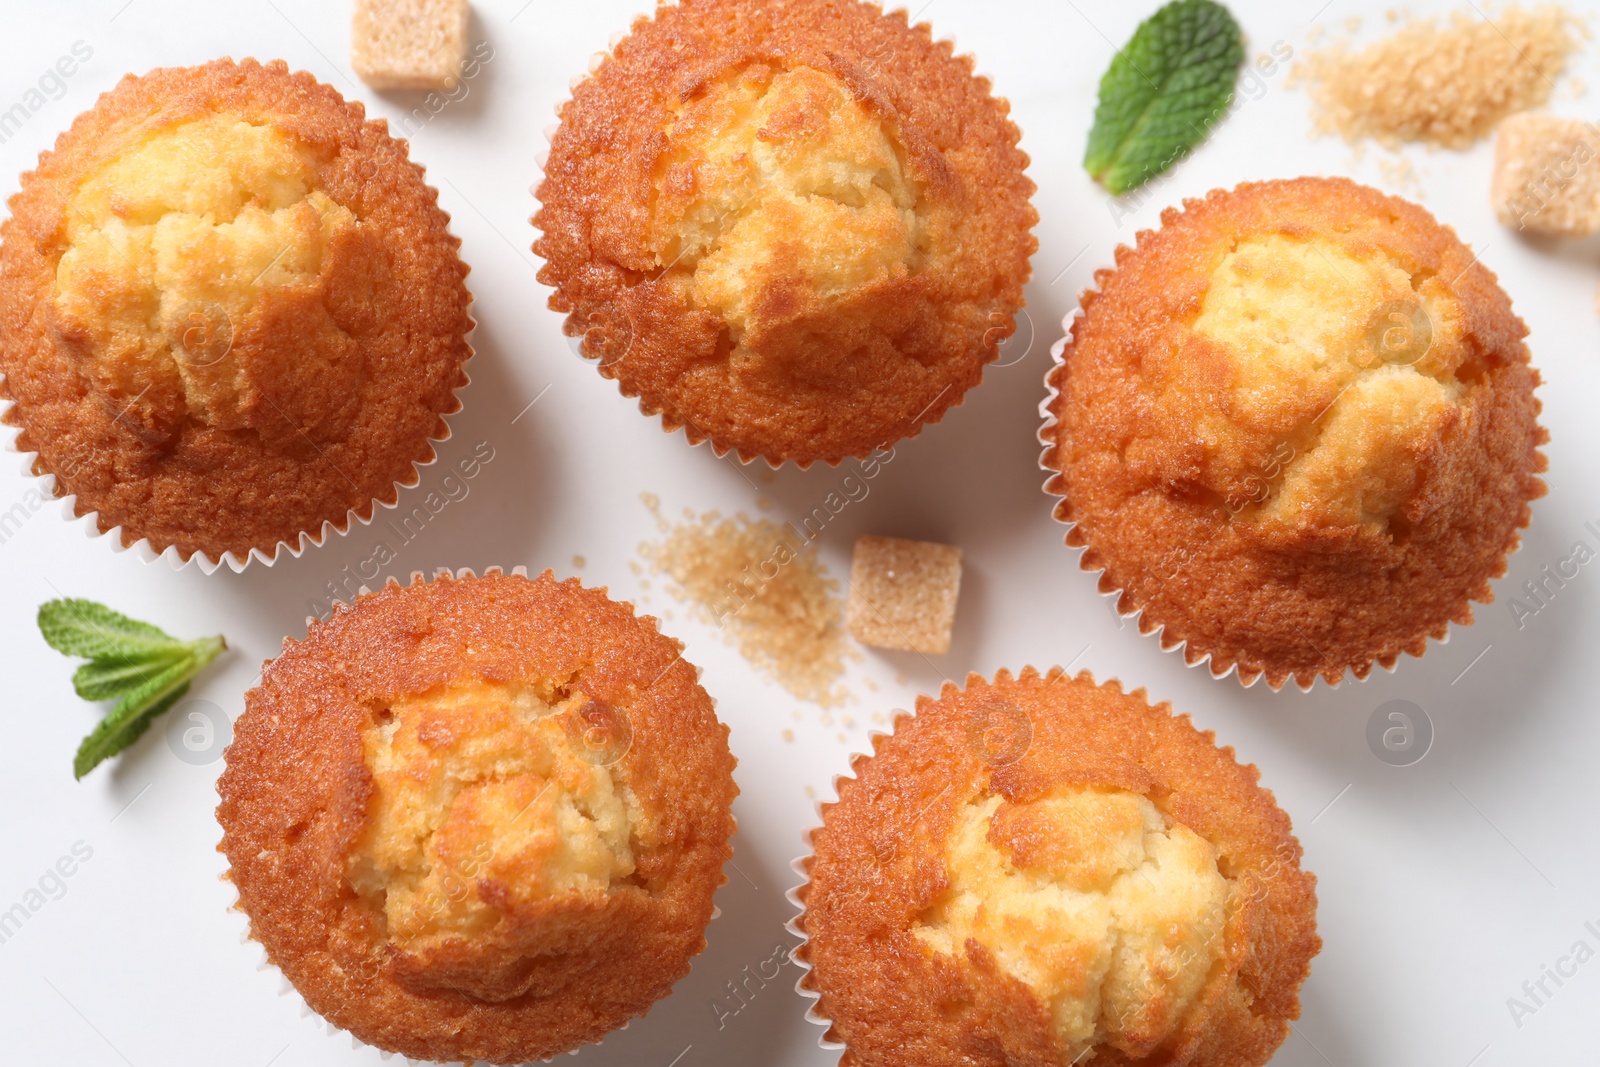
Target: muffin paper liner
<point>286,988</point>
<point>208,564</point>
<point>1150,628</point>
<point>89,522</point>
<point>801,865</point>
<point>691,433</point>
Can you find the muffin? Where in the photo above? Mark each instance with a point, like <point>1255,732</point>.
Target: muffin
<point>1044,871</point>
<point>797,230</point>
<point>231,312</point>
<point>479,818</point>
<point>1296,429</point>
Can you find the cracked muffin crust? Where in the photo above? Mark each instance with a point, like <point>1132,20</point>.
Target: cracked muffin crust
<point>1296,428</point>
<point>231,310</point>
<point>1041,871</point>
<point>799,230</point>
<point>479,818</point>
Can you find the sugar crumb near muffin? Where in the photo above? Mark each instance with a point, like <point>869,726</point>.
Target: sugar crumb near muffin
<point>903,593</point>
<point>1547,174</point>
<point>1447,81</point>
<point>409,44</point>
<point>763,587</point>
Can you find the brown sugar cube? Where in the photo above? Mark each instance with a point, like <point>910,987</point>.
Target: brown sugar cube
<point>1547,174</point>
<point>409,44</point>
<point>903,594</point>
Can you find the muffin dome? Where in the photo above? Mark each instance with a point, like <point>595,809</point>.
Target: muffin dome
<point>1046,871</point>
<point>1296,428</point>
<point>1085,881</point>
<point>798,230</point>
<point>232,310</point>
<point>479,818</point>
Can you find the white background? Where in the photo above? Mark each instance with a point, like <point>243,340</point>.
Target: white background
<point>1443,886</point>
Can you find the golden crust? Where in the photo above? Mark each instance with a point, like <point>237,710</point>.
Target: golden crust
<point>875,870</point>
<point>1321,593</point>
<point>815,375</point>
<point>297,795</point>
<point>398,300</point>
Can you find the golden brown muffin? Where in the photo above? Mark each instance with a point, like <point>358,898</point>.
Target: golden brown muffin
<point>230,310</point>
<point>798,230</point>
<point>1296,428</point>
<point>1042,871</point>
<point>479,818</point>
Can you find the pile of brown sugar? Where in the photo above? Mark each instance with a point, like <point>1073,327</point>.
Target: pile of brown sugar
<point>763,587</point>
<point>1443,82</point>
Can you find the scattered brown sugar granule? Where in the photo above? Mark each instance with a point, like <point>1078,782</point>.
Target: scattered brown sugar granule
<point>903,594</point>
<point>763,587</point>
<point>1401,176</point>
<point>1446,82</point>
<point>1547,174</point>
<point>652,504</point>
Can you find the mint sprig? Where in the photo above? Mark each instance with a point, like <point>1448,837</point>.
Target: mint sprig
<point>1163,93</point>
<point>142,668</point>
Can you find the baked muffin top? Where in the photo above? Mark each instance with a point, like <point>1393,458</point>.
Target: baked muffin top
<point>1296,427</point>
<point>798,230</point>
<point>232,310</point>
<point>1043,871</point>
<point>479,818</point>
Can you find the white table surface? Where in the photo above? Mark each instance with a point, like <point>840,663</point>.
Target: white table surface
<point>1444,885</point>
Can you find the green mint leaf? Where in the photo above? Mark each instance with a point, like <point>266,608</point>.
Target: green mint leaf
<point>83,628</point>
<point>127,723</point>
<point>145,696</point>
<point>143,669</point>
<point>1163,93</point>
<point>109,677</point>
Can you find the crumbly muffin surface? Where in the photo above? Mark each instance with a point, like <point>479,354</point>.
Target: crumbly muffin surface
<point>1110,913</point>
<point>1043,871</point>
<point>170,243</point>
<point>488,804</point>
<point>232,311</point>
<point>479,818</point>
<point>1296,426</point>
<point>797,230</point>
